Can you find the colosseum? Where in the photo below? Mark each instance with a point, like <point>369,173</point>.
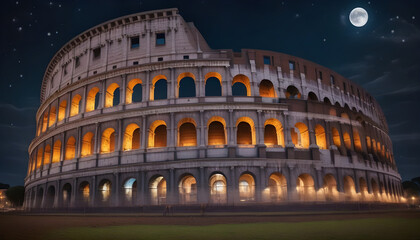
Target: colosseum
<point>140,111</point>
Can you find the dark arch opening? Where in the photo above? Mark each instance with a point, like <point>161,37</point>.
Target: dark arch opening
<point>239,89</point>
<point>213,87</point>
<point>160,91</point>
<point>187,87</point>
<point>292,92</point>
<point>312,96</point>
<point>137,93</point>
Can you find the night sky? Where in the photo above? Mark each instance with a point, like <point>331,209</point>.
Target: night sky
<point>383,56</point>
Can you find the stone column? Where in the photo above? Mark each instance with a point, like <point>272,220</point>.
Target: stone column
<point>227,83</point>
<point>143,132</point>
<point>148,86</point>
<point>123,90</point>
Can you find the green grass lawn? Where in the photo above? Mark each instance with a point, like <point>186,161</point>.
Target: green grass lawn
<point>373,228</point>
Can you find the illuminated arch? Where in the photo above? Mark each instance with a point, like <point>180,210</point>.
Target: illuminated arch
<point>112,95</point>
<point>47,154</point>
<point>56,151</point>
<point>66,195</point>
<point>187,133</point>
<point>246,188</point>
<point>218,188</point>
<point>84,193</point>
<point>44,121</point>
<point>245,131</point>
<point>292,92</point>
<point>273,133</point>
<point>132,91</point>
<point>305,187</point>
<point>157,189</point>
<point>300,135</point>
<point>187,188</point>
<point>349,188</point>
<point>108,141</point>
<point>336,137</point>
<point>157,134</point>
<point>75,105</point>
<point>213,81</point>
<point>347,140</point>
<point>357,141</point>
<point>130,191</point>
<point>267,89</point>
<point>241,79</point>
<point>131,137</point>
<point>160,87</point>
<point>363,188</point>
<point>70,148</point>
<point>216,127</point>
<point>186,85</point>
<point>345,115</point>
<point>92,99</point>
<point>62,110</point>
<point>277,185</point>
<point>105,191</point>
<point>312,96</point>
<point>330,187</point>
<point>320,137</point>
<point>375,190</point>
<point>88,143</point>
<point>53,115</point>
<point>39,157</point>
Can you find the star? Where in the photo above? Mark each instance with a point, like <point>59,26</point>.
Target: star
<point>19,29</point>
<point>324,40</point>
<point>14,20</point>
<point>17,2</point>
<point>10,85</point>
<point>413,17</point>
<point>48,34</point>
<point>403,40</point>
<point>392,31</point>
<point>21,75</point>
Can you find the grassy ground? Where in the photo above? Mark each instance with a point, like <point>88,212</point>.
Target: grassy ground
<point>371,228</point>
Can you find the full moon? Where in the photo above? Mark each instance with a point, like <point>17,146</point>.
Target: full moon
<point>358,17</point>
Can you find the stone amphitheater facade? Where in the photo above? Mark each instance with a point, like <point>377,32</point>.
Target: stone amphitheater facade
<point>141,111</point>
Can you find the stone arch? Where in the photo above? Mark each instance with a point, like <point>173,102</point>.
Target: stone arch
<point>159,88</point>
<point>75,105</point>
<point>345,115</point>
<point>186,85</point>
<point>56,151</point>
<point>245,134</point>
<point>363,188</point>
<point>312,96</point>
<point>88,144</point>
<point>187,188</point>
<point>53,116</point>
<point>216,127</point>
<point>134,91</point>
<point>357,141</point>
<point>157,134</point>
<point>292,92</point>
<point>320,137</point>
<point>39,157</point>
<point>105,192</point>
<point>349,188</point>
<point>84,193</point>
<point>66,195</point>
<point>108,141</point>
<point>267,89</point>
<point>187,132</point>
<point>347,140</point>
<point>70,148</point>
<point>305,187</point>
<point>218,188</point>
<point>39,198</point>
<point>213,81</point>
<point>92,99</point>
<point>157,190</point>
<point>239,82</point>
<point>62,110</point>
<point>112,97</point>
<point>246,187</point>
<point>300,135</point>
<point>47,154</point>
<point>277,185</point>
<point>375,189</point>
<point>327,101</point>
<point>131,137</point>
<point>330,187</point>
<point>49,197</point>
<point>44,121</point>
<point>130,191</point>
<point>273,133</point>
<point>336,137</point>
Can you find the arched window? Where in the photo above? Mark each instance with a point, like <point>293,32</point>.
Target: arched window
<point>245,131</point>
<point>108,141</point>
<point>327,101</point>
<point>277,186</point>
<point>375,189</point>
<point>88,143</point>
<point>218,188</point>
<point>157,134</point>
<point>62,110</point>
<point>157,188</point>
<point>131,137</point>
<point>66,195</point>
<point>56,151</point>
<point>345,115</point>
<point>186,85</point>
<point>293,93</point>
<point>246,188</point>
<point>336,137</point>
<point>321,140</point>
<point>134,92</point>
<point>104,189</point>
<point>267,89</point>
<point>273,133</point>
<point>357,141</point>
<point>349,188</point>
<point>70,148</point>
<point>187,189</point>
<point>363,188</point>
<point>84,193</point>
<point>300,135</point>
<point>187,134</point>
<point>330,188</point>
<point>49,197</point>
<point>159,88</point>
<point>39,157</point>
<point>75,105</point>
<point>347,140</point>
<point>241,86</point>
<point>53,115</point>
<point>44,121</point>
<point>47,154</point>
<point>130,191</point>
<point>92,99</point>
<point>312,96</point>
<point>112,97</point>
<point>216,131</point>
<point>213,82</point>
<point>374,145</point>
<point>305,187</point>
